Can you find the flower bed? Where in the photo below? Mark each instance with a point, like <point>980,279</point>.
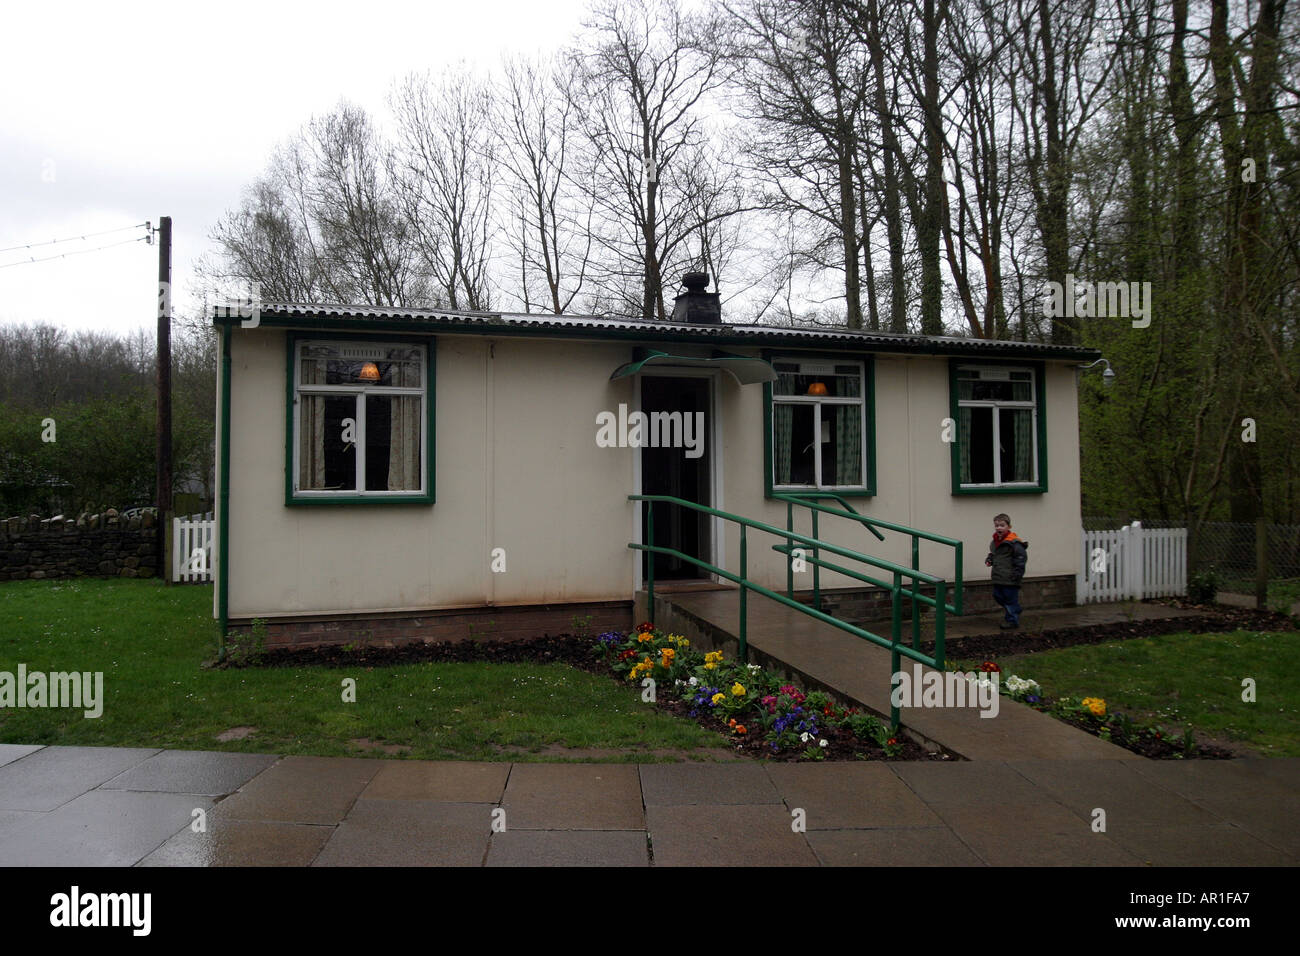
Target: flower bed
<point>1090,714</point>
<point>763,716</point>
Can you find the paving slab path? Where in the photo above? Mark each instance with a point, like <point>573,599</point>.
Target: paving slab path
<point>82,806</point>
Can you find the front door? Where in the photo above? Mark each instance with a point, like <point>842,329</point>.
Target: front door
<point>675,461</point>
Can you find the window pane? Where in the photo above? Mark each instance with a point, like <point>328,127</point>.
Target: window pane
<point>399,366</point>
<point>325,460</point>
<point>842,453</point>
<point>1015,430</point>
<point>792,444</point>
<point>392,443</point>
<point>840,381</point>
<point>976,445</point>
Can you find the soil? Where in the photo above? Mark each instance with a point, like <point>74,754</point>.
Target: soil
<point>1212,618</point>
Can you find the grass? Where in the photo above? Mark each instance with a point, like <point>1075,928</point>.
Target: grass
<point>1184,680</point>
<point>150,642</point>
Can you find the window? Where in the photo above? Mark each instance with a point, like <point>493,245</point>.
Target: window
<point>819,433</point>
<point>999,429</point>
<point>359,421</point>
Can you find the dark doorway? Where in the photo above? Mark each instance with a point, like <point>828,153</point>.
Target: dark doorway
<point>671,471</point>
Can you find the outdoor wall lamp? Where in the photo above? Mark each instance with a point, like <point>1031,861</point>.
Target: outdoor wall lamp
<point>369,372</point>
<point>1107,377</point>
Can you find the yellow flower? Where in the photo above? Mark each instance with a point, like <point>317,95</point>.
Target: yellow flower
<point>738,689</point>
<point>1095,704</point>
<point>709,667</point>
<point>719,698</point>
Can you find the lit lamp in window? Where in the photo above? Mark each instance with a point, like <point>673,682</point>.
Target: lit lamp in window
<point>817,388</point>
<point>369,372</point>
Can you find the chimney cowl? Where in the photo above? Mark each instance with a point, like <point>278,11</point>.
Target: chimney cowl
<point>696,305</point>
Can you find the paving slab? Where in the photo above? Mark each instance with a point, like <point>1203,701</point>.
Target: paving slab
<point>1036,835</point>
<point>569,848</point>
<point>101,828</point>
<point>1222,844</point>
<point>451,781</point>
<point>1129,798</point>
<point>228,842</point>
<point>303,790</point>
<point>893,846</point>
<point>572,796</point>
<point>726,835</point>
<point>53,776</point>
<point>683,784</point>
<point>850,795</point>
<point>192,771</point>
<point>1239,792</point>
<point>11,752</point>
<point>410,833</point>
<point>989,785</point>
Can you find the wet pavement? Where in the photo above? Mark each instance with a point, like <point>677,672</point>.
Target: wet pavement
<point>81,806</point>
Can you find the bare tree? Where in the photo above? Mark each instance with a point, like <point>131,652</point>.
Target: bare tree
<point>641,80</point>
<point>443,169</point>
<point>550,220</point>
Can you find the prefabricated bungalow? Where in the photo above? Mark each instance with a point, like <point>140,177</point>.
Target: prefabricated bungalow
<point>391,474</point>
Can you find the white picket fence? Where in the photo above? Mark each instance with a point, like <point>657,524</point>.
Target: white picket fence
<point>192,538</point>
<point>1132,563</point>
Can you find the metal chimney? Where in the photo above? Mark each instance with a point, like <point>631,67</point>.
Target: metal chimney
<point>696,305</point>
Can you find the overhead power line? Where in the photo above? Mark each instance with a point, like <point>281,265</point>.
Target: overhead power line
<point>79,252</point>
<point>89,235</point>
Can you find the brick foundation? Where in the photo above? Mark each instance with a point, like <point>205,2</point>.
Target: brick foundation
<point>452,624</point>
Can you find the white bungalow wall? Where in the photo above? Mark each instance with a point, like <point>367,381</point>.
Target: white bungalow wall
<point>518,468</point>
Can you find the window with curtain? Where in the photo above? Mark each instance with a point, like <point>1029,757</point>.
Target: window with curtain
<point>818,425</point>
<point>997,427</point>
<point>359,419</point>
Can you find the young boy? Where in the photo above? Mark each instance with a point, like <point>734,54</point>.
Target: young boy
<point>1007,559</point>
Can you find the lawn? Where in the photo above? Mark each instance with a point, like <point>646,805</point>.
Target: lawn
<point>150,642</point>
<point>1184,680</point>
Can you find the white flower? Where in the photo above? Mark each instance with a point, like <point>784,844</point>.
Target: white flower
<point>753,668</point>
<point>693,681</point>
<point>805,737</point>
<point>823,742</point>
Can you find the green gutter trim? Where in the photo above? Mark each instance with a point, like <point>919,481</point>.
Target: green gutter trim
<point>223,483</point>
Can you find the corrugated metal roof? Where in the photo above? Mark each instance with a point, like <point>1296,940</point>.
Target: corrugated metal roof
<point>307,315</point>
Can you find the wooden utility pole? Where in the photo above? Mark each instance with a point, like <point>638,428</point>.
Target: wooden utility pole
<point>164,488</point>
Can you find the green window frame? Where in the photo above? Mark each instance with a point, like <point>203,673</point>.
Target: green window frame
<point>357,349</point>
<point>824,416</point>
<point>999,416</point>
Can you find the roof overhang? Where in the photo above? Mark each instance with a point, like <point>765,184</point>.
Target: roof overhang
<point>323,317</point>
<point>745,369</point>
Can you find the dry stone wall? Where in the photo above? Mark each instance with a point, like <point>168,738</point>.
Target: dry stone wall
<point>102,545</point>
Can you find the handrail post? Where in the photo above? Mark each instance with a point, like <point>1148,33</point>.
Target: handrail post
<point>895,663</point>
<point>940,611</point>
<point>817,570</point>
<point>957,598</point>
<point>650,559</point>
<point>744,580</point>
<point>916,605</point>
<point>789,543</point>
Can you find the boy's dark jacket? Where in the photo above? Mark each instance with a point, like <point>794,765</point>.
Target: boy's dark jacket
<point>1008,561</point>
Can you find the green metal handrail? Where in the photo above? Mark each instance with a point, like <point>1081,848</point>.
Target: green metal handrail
<point>897,573</point>
<point>809,501</point>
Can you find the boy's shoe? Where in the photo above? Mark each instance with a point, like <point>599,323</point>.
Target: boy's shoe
<point>1008,626</point>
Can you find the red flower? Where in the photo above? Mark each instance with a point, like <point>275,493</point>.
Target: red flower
<point>626,654</point>
<point>988,667</point>
<point>645,627</point>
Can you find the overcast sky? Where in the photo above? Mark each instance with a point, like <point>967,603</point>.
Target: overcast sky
<point>114,114</point>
